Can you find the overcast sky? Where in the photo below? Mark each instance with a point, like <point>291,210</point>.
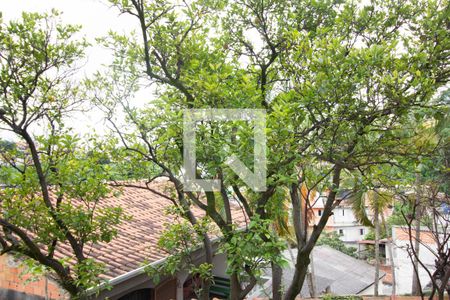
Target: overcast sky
<point>96,18</point>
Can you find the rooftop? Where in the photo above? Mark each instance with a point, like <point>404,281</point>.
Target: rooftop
<point>343,274</point>
<point>137,237</point>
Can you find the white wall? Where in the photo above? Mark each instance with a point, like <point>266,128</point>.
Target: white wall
<point>220,265</point>
<point>351,233</point>
<point>404,268</point>
<point>344,219</point>
<point>343,215</point>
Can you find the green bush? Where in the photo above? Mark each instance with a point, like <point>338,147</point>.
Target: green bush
<point>332,240</point>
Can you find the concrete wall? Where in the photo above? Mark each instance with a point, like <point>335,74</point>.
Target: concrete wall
<point>351,234</point>
<point>220,265</point>
<point>343,215</point>
<point>403,266</point>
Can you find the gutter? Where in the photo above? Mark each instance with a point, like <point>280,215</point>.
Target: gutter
<point>124,277</point>
<point>135,272</point>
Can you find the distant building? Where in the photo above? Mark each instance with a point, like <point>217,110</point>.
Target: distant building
<point>403,265</point>
<point>400,243</point>
<point>343,220</point>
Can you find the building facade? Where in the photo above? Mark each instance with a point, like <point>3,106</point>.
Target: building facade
<point>342,221</point>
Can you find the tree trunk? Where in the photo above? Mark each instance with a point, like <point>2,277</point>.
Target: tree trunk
<point>277,274</point>
<point>311,278</point>
<point>310,275</point>
<point>301,268</point>
<point>206,284</point>
<point>377,250</point>
<point>391,255</point>
<point>235,288</point>
<point>415,282</point>
<point>304,248</point>
<point>416,287</point>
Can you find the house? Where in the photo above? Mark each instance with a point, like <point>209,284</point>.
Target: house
<point>124,256</point>
<point>403,265</point>
<point>334,272</point>
<point>343,220</point>
<point>365,247</point>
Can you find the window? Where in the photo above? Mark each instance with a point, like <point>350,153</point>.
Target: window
<point>320,212</point>
<point>343,212</point>
<point>341,231</point>
<point>361,231</point>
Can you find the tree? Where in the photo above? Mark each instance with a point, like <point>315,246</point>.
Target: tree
<point>52,186</point>
<point>357,140</point>
<point>162,144</point>
<point>429,199</point>
<point>436,224</point>
<point>338,81</point>
<point>417,179</point>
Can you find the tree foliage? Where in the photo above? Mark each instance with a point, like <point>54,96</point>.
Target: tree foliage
<point>339,82</point>
<point>344,86</point>
<point>49,201</point>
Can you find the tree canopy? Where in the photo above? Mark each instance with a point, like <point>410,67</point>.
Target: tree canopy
<point>342,84</point>
<point>339,82</point>
<point>50,185</point>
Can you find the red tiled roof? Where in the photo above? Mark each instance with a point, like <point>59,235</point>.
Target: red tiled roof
<point>137,237</point>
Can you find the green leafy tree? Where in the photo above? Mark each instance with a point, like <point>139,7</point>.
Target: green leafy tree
<point>338,81</point>
<point>423,188</point>
<point>52,187</point>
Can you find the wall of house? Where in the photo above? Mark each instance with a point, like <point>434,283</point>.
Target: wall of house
<point>343,215</point>
<point>166,288</point>
<point>15,283</point>
<point>403,266</point>
<point>343,220</point>
<point>317,213</point>
<point>351,234</point>
<point>346,225</point>
<point>220,265</point>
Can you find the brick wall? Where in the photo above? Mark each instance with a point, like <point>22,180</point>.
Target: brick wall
<point>13,283</point>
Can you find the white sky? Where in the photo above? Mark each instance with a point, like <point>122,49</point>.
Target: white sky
<point>96,17</point>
